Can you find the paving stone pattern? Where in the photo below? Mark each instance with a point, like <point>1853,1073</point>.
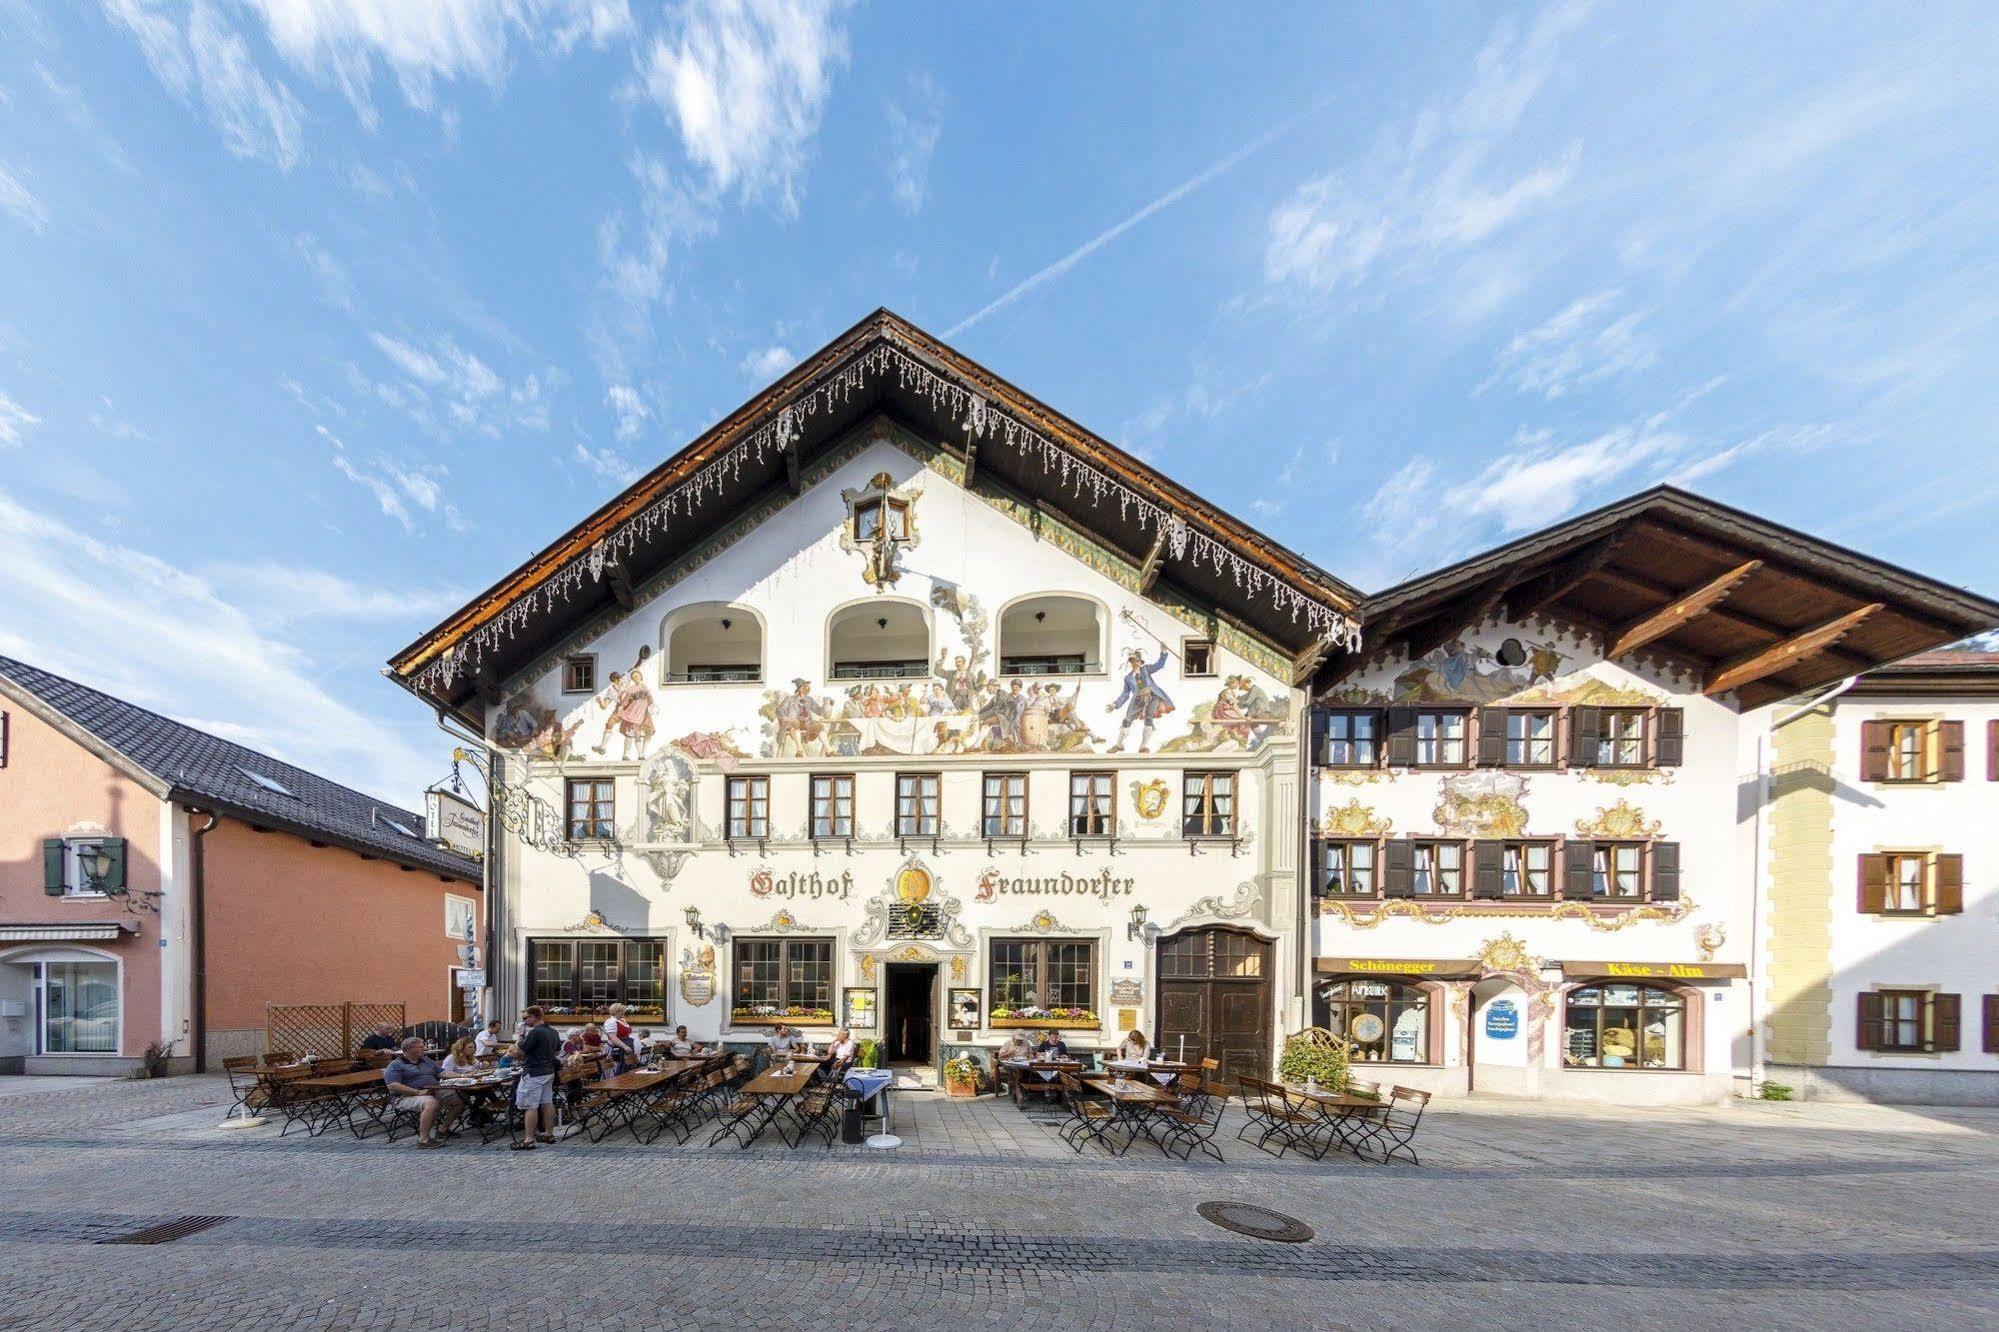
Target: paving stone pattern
<point>1521,1215</point>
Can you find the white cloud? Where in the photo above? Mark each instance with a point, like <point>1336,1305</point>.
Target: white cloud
<point>184,649</point>
<point>14,422</point>
<point>106,421</point>
<point>330,272</point>
<point>769,363</point>
<point>630,409</point>
<point>401,490</point>
<point>475,397</point>
<point>258,117</point>
<point>1588,340</point>
<point>288,592</point>
<point>744,81</point>
<point>19,200</point>
<point>613,466</point>
<point>914,127</point>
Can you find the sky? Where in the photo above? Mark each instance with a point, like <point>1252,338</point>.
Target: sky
<point>318,316</point>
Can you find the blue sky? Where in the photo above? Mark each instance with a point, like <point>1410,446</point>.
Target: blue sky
<point>318,315</point>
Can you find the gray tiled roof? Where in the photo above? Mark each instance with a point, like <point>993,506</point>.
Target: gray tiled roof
<point>208,771</point>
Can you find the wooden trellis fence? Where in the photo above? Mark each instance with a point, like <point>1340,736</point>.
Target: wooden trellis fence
<point>325,1031</point>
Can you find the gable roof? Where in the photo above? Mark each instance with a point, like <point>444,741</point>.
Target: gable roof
<point>1747,605</point>
<point>179,763</point>
<point>886,365</point>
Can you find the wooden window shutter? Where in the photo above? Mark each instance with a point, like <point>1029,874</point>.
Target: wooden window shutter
<point>1491,724</point>
<point>1992,1024</point>
<point>1867,1035</point>
<point>1874,751</point>
<point>1672,746</point>
<point>52,858</point>
<point>1578,870</point>
<point>1318,736</point>
<point>1665,871</point>
<point>1950,747</point>
<point>1488,866</point>
<point>1949,884</point>
<point>1873,884</point>
<point>1992,750</point>
<point>1398,875</point>
<point>1585,725</point>
<point>1402,736</point>
<point>1944,1012</point>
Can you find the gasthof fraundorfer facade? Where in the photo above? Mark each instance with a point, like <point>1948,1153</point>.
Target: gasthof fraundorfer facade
<point>898,702</point>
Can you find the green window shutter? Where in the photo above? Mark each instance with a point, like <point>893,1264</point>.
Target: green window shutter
<point>52,858</point>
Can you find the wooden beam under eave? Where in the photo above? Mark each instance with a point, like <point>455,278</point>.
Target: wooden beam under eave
<point>1731,616</point>
<point>1155,560</point>
<point>488,689</point>
<point>1532,594</point>
<point>1769,660</point>
<point>1306,664</point>
<point>793,479</point>
<point>1428,635</point>
<point>1636,633</point>
<point>620,579</point>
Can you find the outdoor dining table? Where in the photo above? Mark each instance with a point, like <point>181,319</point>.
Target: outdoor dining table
<point>770,1089</point>
<point>1335,1109</point>
<point>1133,1102</point>
<point>479,1093</point>
<point>339,1096</point>
<point>1162,1071</point>
<point>1045,1071</point>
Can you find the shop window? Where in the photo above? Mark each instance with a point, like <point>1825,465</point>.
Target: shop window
<point>1624,1026</point>
<point>584,977</point>
<point>1383,1021</point>
<point>782,978</point>
<point>591,808</point>
<point>1437,869</point>
<point>1347,869</point>
<point>748,812</point>
<point>579,675</point>
<point>1005,811</point>
<point>1051,635</point>
<point>879,640</point>
<point>916,804</point>
<point>80,1007</point>
<point>1092,804</point>
<point>1907,1022</point>
<point>1207,804</point>
<point>833,804</point>
<point>1197,658</point>
<point>1034,977</point>
<point>1352,739</point>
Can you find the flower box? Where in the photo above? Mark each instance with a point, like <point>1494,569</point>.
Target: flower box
<point>1065,1019</point>
<point>796,1017</point>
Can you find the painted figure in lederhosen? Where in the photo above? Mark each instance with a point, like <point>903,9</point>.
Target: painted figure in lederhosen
<point>1142,699</point>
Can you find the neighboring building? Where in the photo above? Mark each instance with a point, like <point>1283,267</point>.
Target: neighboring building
<point>1539,795</point>
<point>157,882</point>
<point>829,718</point>
<point>1884,886</point>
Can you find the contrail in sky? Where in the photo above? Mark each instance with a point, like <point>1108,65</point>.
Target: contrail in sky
<point>1103,238</point>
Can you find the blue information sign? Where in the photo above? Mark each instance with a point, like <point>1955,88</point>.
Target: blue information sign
<point>1502,1019</point>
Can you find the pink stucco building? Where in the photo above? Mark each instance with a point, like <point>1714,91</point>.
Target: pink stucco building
<point>162,885</point>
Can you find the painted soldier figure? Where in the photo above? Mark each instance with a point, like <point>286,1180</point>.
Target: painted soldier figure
<point>1142,699</point>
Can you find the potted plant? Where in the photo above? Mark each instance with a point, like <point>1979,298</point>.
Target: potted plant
<point>870,1054</point>
<point>961,1074</point>
<point>1314,1055</point>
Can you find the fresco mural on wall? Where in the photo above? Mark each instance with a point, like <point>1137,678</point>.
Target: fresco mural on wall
<point>1482,803</point>
<point>535,731</point>
<point>1461,672</point>
<point>1242,716</point>
<point>629,704</point>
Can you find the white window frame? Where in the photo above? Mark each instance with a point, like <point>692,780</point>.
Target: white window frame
<point>455,903</point>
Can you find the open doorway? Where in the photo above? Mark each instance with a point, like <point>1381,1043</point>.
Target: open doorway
<point>908,1028</point>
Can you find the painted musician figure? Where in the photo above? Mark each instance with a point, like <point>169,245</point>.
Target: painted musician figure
<point>1143,700</point>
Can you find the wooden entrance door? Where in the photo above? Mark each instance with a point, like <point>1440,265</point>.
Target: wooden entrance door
<point>1214,988</point>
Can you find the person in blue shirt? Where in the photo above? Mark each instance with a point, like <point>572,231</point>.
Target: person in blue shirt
<point>1052,1046</point>
<point>414,1074</point>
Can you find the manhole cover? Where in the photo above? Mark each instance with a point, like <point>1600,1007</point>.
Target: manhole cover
<point>1256,1222</point>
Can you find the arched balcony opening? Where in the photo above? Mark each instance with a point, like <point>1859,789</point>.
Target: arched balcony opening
<point>712,643</point>
<point>1053,634</point>
<point>878,639</point>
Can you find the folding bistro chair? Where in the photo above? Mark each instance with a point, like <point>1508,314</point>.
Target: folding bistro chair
<point>817,1110</point>
<point>1090,1117</point>
<point>1393,1131</point>
<point>1192,1125</point>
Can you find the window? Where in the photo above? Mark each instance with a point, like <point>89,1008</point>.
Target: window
<point>579,675</point>
<point>1527,869</point>
<point>833,805</point>
<point>1912,749</point>
<point>1617,869</point>
<point>1620,740</point>
<point>1624,1026</point>
<point>461,915</point>
<point>869,514</point>
<point>1438,869</point>
<point>576,976</point>
<point>712,643</point>
<point>1346,869</point>
<point>916,803</point>
<point>748,800</point>
<point>1092,805</point>
<point>1197,658</point>
<point>271,784</point>
<point>1351,740</point>
<point>80,1009</point>
<point>83,866</point>
<point>1042,975</point>
<point>1056,634</point>
<point>879,640</point>
<point>1530,739</point>
<point>1440,739</point>
<point>590,807</point>
<point>1383,1021</point>
<point>1908,882</point>
<point>1005,805</point>
<point>1909,1020</point>
<point>783,978</point>
<point>1207,804</point>
<point>1901,1020</point>
<point>1912,883</point>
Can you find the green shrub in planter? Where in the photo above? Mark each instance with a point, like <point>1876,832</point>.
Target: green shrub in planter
<point>870,1055</point>
<point>1310,1055</point>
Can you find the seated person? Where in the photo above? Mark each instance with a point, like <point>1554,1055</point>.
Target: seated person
<point>1052,1046</point>
<point>840,1055</point>
<point>782,1042</point>
<point>461,1061</point>
<point>680,1047</point>
<point>643,1042</point>
<point>1134,1049</point>
<point>384,1038</point>
<point>487,1043</point>
<point>1017,1046</point>
<point>414,1075</point>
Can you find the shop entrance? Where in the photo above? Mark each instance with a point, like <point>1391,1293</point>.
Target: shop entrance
<point>907,1031</point>
<point>1214,989</point>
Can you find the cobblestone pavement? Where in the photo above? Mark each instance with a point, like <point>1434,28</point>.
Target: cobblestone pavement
<point>1521,1215</point>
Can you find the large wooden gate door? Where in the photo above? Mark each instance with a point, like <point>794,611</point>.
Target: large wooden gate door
<point>1214,989</point>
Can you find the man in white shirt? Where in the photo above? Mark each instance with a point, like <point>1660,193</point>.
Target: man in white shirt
<point>487,1043</point>
<point>680,1047</point>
